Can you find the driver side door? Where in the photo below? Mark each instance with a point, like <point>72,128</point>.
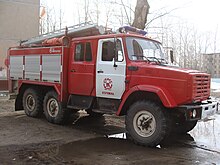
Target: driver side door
<point>110,69</point>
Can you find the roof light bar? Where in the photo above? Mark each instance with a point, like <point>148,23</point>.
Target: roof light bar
<point>127,29</point>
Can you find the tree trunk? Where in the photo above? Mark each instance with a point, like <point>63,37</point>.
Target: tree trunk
<point>140,15</point>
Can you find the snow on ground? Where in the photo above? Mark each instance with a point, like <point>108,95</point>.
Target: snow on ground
<point>215,84</point>
<point>215,90</point>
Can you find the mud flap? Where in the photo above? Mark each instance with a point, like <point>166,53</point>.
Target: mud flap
<point>18,103</point>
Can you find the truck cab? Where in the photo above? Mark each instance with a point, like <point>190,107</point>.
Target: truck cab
<point>122,74</point>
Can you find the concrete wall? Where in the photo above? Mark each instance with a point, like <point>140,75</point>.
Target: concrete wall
<point>19,20</point>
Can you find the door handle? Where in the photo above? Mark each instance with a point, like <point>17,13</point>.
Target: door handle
<point>73,70</point>
<point>100,71</point>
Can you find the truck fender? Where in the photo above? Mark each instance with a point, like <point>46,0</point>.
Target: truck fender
<point>23,84</point>
<point>166,99</point>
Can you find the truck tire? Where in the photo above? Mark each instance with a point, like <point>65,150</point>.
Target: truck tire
<point>184,127</point>
<point>147,123</point>
<point>53,110</point>
<point>32,103</point>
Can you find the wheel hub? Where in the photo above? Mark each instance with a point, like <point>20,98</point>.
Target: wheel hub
<point>30,102</point>
<point>52,107</point>
<point>144,123</point>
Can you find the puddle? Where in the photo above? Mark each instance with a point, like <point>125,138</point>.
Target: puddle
<point>108,151</point>
<point>3,95</point>
<point>118,136</point>
<point>115,150</point>
<point>206,134</point>
<point>124,136</point>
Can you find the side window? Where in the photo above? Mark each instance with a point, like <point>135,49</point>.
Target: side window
<point>107,51</point>
<point>83,52</point>
<point>111,49</point>
<point>79,52</point>
<point>88,54</point>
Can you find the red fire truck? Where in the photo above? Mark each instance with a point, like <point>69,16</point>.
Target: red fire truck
<point>122,73</point>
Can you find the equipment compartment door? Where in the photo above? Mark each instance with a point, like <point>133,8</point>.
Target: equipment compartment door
<point>110,69</point>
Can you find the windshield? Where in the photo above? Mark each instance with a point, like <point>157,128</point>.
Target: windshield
<point>143,49</point>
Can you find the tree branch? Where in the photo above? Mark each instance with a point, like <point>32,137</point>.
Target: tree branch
<point>126,12</point>
<point>159,16</point>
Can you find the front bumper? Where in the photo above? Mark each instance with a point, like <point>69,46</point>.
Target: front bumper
<point>200,112</point>
<point>209,109</point>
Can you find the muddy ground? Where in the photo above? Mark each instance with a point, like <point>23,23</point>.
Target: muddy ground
<point>90,141</point>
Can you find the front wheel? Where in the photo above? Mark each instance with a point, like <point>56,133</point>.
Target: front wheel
<point>147,123</point>
<point>53,110</point>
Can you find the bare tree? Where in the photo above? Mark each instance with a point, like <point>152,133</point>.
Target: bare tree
<point>108,14</point>
<point>86,10</point>
<point>52,18</point>
<point>140,15</point>
<point>215,39</point>
<point>97,12</point>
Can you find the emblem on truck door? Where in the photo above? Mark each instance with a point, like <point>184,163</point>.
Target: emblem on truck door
<point>107,84</point>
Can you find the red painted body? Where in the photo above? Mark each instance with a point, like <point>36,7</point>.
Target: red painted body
<point>83,77</point>
<point>173,86</point>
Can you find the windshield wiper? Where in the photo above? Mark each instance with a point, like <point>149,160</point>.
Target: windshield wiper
<point>154,59</point>
<point>140,57</point>
<point>162,60</point>
<point>159,60</point>
<point>151,59</point>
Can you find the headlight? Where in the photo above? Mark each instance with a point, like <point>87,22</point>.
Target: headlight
<point>194,113</point>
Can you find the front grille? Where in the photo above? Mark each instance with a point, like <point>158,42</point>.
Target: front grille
<point>201,87</point>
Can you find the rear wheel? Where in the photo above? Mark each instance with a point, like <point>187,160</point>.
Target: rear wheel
<point>53,110</point>
<point>147,123</point>
<point>32,103</point>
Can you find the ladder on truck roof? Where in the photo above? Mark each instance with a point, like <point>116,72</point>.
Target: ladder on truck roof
<point>79,30</point>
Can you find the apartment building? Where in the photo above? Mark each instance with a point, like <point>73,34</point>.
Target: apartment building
<point>19,21</point>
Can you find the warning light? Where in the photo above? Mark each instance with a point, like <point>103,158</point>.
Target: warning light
<point>127,29</point>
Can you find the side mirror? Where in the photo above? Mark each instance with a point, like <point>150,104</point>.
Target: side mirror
<point>114,63</point>
<point>171,56</point>
<point>115,53</point>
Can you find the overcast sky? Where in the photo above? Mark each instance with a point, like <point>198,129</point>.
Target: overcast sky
<point>201,14</point>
